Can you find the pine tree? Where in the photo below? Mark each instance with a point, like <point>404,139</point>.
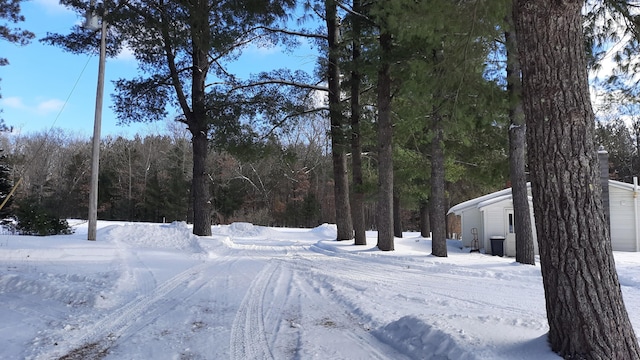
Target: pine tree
<point>443,101</point>
<point>525,250</point>
<point>617,139</point>
<point>384,211</point>
<point>358,197</point>
<point>10,11</point>
<point>6,185</point>
<point>585,309</point>
<point>339,139</point>
<point>179,47</point>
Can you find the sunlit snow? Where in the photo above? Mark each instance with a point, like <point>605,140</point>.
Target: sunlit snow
<point>155,291</point>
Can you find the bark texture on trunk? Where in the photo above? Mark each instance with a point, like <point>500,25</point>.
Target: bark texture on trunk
<point>339,143</point>
<point>201,195</point>
<point>397,219</point>
<point>196,115</point>
<point>425,227</point>
<point>585,310</point>
<point>384,209</point>
<point>437,198</point>
<point>525,250</point>
<point>358,197</point>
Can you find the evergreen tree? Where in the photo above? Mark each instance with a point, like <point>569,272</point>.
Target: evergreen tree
<point>438,198</point>
<point>443,101</point>
<point>176,185</point>
<point>34,219</point>
<point>181,47</point>
<point>617,139</point>
<point>585,308</point>
<point>10,12</point>
<point>525,250</point>
<point>6,185</point>
<point>358,197</point>
<point>339,139</point>
<point>384,211</point>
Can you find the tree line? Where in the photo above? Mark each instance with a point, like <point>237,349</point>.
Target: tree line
<point>286,181</point>
<point>185,51</point>
<point>147,178</point>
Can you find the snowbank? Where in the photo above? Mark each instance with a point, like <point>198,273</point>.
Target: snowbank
<point>146,291</point>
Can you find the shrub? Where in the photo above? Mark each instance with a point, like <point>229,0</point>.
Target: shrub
<point>33,219</point>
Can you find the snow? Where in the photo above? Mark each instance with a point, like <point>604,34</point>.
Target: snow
<point>155,291</point>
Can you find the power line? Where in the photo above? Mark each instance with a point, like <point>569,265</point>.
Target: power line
<point>46,135</point>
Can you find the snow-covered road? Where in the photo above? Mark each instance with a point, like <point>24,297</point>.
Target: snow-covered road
<point>154,291</point>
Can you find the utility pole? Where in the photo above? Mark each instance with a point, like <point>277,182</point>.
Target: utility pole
<point>95,153</point>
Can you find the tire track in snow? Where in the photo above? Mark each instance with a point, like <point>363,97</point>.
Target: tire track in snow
<point>248,338</point>
<point>421,281</point>
<point>135,268</point>
<point>351,278</point>
<point>304,320</point>
<point>314,312</point>
<point>337,317</point>
<point>107,330</point>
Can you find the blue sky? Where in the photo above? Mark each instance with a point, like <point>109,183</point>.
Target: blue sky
<point>44,87</point>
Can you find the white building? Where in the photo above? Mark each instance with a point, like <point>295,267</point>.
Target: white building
<point>492,216</point>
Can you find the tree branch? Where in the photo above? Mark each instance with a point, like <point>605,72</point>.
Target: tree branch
<point>280,82</point>
<point>294,33</point>
<point>354,13</point>
<point>284,119</point>
<point>182,99</point>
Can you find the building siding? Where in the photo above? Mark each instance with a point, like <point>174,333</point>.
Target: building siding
<point>489,218</point>
<point>494,223</point>
<point>470,219</point>
<point>623,227</point>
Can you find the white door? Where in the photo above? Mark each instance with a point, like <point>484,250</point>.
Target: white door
<point>510,233</point>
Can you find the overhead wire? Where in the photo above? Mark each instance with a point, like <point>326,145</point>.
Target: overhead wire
<point>46,135</point>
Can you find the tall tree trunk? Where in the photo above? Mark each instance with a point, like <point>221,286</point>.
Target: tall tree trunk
<point>397,220</point>
<point>339,142</point>
<point>425,226</point>
<point>525,251</point>
<point>585,310</point>
<point>199,121</point>
<point>384,210</point>
<point>195,111</point>
<point>201,195</point>
<point>437,198</point>
<point>357,201</point>
<point>130,206</point>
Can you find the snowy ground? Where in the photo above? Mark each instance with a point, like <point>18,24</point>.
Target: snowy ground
<point>153,291</point>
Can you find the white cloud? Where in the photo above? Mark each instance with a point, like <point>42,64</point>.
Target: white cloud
<point>13,102</point>
<point>126,55</point>
<point>53,6</point>
<point>42,107</point>
<point>262,49</point>
<point>49,106</point>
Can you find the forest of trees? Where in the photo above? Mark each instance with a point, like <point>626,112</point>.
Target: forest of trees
<point>413,106</point>
<point>285,182</point>
<point>238,137</point>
